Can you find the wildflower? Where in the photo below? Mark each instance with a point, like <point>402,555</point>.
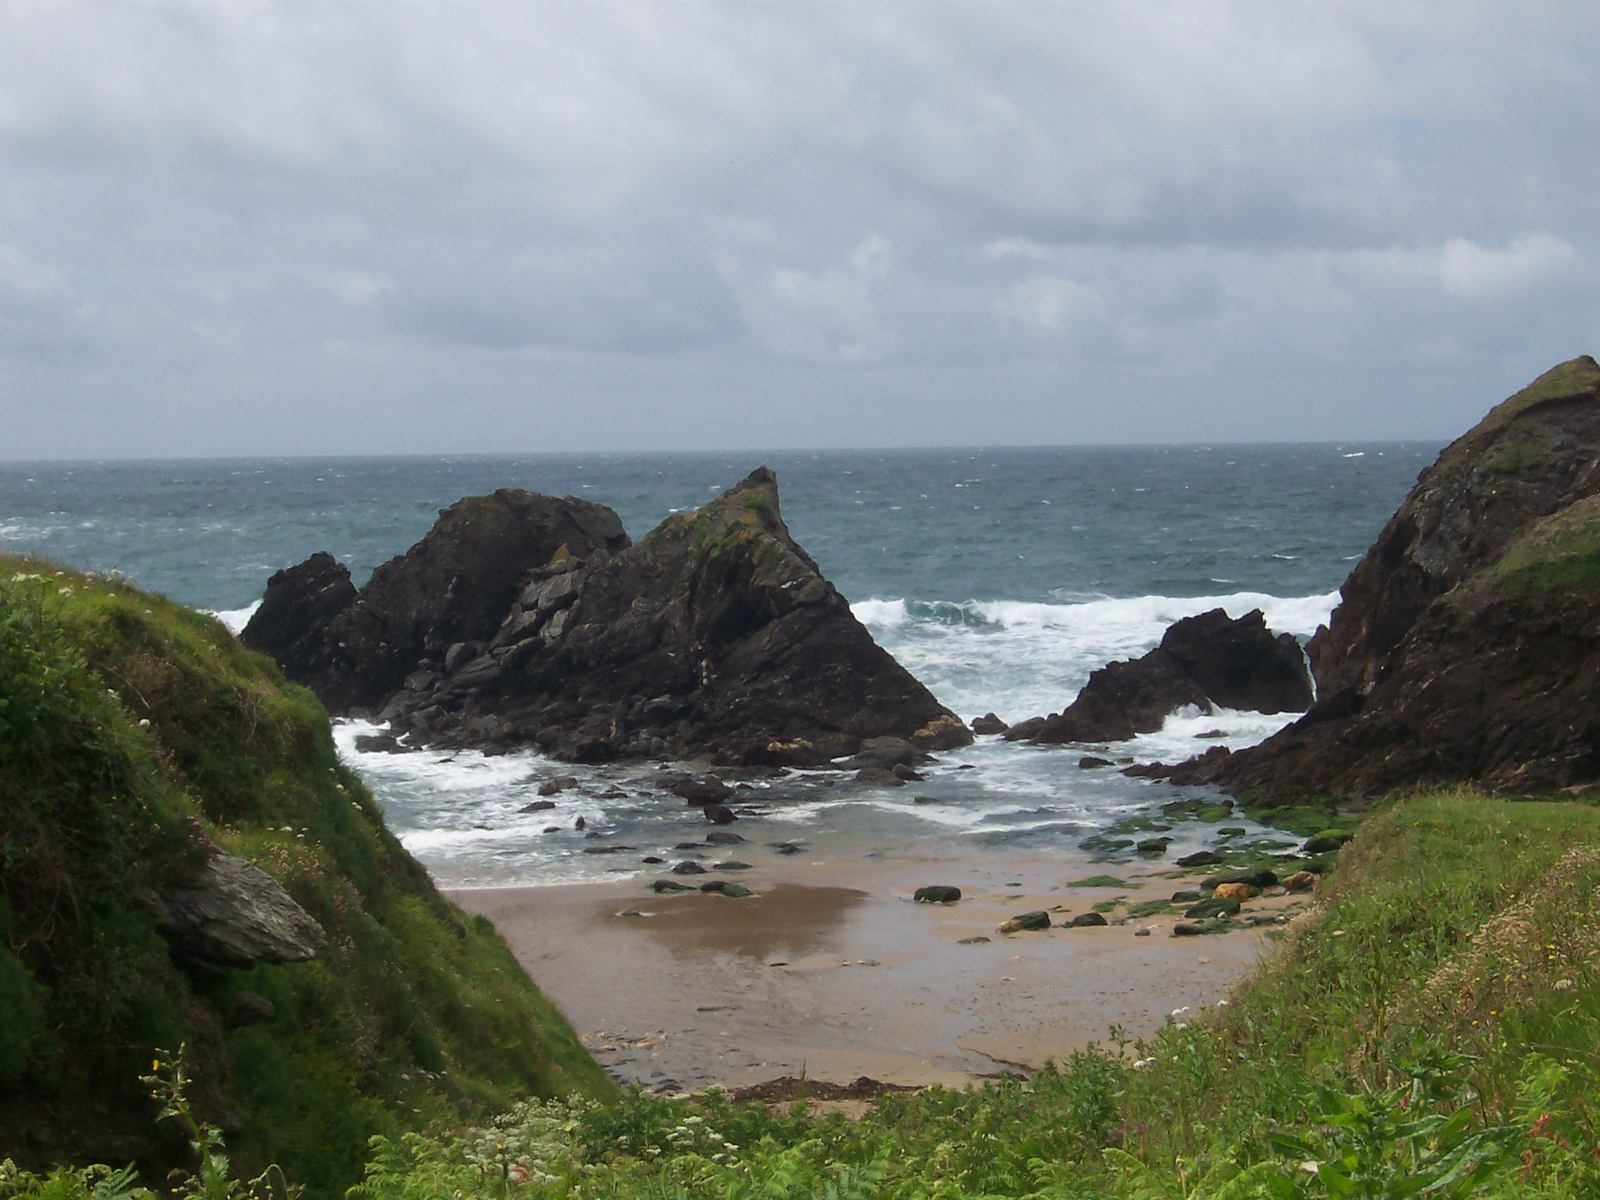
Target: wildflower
<point>1310,1166</point>
<point>1565,985</point>
<point>1178,1012</point>
<point>144,722</point>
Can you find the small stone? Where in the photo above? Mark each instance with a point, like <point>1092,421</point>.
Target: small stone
<point>1090,762</point>
<point>1201,858</point>
<point>537,806</point>
<point>1142,931</point>
<point>670,885</point>
<point>937,893</point>
<point>1184,930</point>
<point>652,859</point>
<point>733,864</point>
<point>688,868</point>
<point>1083,920</point>
<point>925,800</point>
<point>1232,891</point>
<point>973,941</point>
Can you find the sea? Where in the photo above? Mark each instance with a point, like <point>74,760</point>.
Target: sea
<point>1000,578</point>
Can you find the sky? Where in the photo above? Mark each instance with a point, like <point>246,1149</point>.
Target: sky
<point>253,227</point>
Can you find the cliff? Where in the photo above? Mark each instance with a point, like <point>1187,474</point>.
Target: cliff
<point>1466,644</point>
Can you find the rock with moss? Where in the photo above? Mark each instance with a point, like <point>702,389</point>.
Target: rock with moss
<point>1466,644</point>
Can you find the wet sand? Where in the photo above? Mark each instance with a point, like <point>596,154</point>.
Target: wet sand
<point>829,968</point>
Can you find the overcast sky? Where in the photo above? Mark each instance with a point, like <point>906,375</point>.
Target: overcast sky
<point>333,226</point>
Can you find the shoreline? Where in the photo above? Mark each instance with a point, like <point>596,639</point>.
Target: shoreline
<point>829,970</point>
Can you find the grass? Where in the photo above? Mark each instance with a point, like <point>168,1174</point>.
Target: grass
<point>1559,551</point>
<point>137,738</point>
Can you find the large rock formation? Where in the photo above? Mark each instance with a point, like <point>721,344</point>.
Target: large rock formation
<point>714,636</point>
<point>1466,645</point>
<point>1202,661</point>
<point>235,914</point>
<point>453,587</point>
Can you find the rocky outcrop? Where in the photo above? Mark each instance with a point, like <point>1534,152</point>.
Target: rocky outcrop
<point>1202,661</point>
<point>434,607</point>
<point>714,636</point>
<point>236,915</point>
<point>1466,645</point>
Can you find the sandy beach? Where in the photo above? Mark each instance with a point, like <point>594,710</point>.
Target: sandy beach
<point>829,967</point>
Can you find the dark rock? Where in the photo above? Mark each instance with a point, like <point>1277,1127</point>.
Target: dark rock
<point>1202,661</point>
<point>980,940</point>
<point>888,753</point>
<point>724,887</point>
<point>1023,731</point>
<point>1186,897</point>
<point>690,845</point>
<point>1155,845</point>
<point>905,774</point>
<point>579,823</point>
<point>300,605</point>
<point>668,885</point>
<point>652,859</point>
<point>236,915</point>
<point>733,864</point>
<point>1263,878</point>
<point>1028,921</point>
<point>688,868</point>
<point>944,732</point>
<point>377,743</point>
<point>1215,907</point>
<point>1083,920</point>
<point>788,847</point>
<point>709,790</point>
<point>723,837</point>
<point>1089,762</point>
<point>988,724</point>
<point>937,893</point>
<point>719,814</point>
<point>247,1008</point>
<point>456,586</point>
<point>1153,770</point>
<point>607,849</point>
<point>1466,643</point>
<point>1181,929</point>
<point>925,800</point>
<point>879,777</point>
<point>537,806</point>
<point>1200,858</point>
<point>1239,664</point>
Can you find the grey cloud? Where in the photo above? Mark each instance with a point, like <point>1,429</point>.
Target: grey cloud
<point>328,210</point>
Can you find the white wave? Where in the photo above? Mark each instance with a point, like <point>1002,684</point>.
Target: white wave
<point>881,614</point>
<point>236,618</point>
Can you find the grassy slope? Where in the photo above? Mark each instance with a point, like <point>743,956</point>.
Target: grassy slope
<point>132,733</point>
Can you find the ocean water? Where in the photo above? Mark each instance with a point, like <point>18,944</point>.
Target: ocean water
<point>1000,578</point>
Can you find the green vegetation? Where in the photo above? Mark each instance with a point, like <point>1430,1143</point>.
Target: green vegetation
<point>137,738</point>
<point>1574,378</point>
<point>1518,455</point>
<point>1559,551</point>
<point>1098,881</point>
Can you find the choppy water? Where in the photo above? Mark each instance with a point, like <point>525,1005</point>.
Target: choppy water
<point>1000,578</point>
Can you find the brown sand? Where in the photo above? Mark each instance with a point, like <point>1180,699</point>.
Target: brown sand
<point>830,969</point>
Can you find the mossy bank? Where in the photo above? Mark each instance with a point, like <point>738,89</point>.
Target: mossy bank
<point>138,741</point>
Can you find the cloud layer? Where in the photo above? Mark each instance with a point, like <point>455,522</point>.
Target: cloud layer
<point>287,226</point>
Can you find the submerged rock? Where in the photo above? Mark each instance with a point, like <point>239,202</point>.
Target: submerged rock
<point>1466,644</point>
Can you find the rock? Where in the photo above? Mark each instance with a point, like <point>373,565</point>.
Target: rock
<point>668,885</point>
<point>944,732</point>
<point>925,800</point>
<point>537,806</point>
<point>1186,897</point>
<point>1089,762</point>
<point>719,814</point>
<point>987,725</point>
<point>709,790</point>
<point>735,891</point>
<point>1467,641</point>
<point>235,915</point>
<point>1215,907</point>
<point>1038,919</point>
<point>1301,881</point>
<point>788,847</point>
<point>879,777</point>
<point>561,783</point>
<point>1084,920</point>
<point>1202,661</point>
<point>1200,858</point>
<point>458,585</point>
<point>377,743</point>
<point>887,753</point>
<point>652,859</point>
<point>937,893</point>
<point>300,604</point>
<point>733,864</point>
<point>1142,931</point>
<point>1239,663</point>
<point>722,837</point>
<point>579,824</point>
<point>980,940</point>
<point>1232,891</point>
<point>1153,770</point>
<point>1263,877</point>
<point>247,1008</point>
<point>1324,842</point>
<point>905,774</point>
<point>1181,929</point>
<point>688,868</point>
<point>1155,845</point>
